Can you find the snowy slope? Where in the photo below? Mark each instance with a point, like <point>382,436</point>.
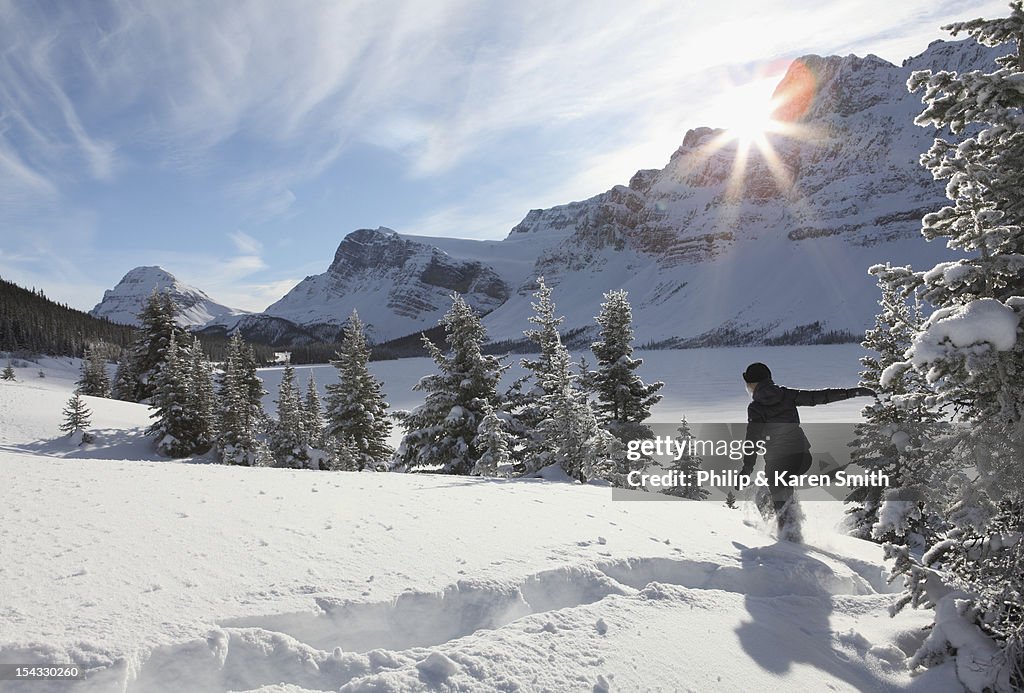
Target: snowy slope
<point>163,576</point>
<point>125,301</point>
<point>716,247</point>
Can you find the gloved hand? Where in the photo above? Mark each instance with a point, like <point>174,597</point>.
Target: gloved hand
<point>862,392</point>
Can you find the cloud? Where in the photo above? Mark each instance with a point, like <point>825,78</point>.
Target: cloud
<point>437,82</point>
<point>245,243</point>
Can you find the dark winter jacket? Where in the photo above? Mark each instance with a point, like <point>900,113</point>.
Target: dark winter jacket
<point>773,418</point>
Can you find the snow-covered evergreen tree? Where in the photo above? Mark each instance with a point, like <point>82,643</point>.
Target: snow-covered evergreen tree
<point>180,402</point>
<point>313,417</point>
<point>202,399</point>
<point>441,434</point>
<point>77,418</point>
<point>897,436</point>
<point>343,455</point>
<point>569,432</point>
<point>624,401</point>
<point>289,439</point>
<point>495,445</point>
<point>125,377</point>
<point>971,353</point>
<point>970,349</point>
<point>94,380</point>
<point>169,404</point>
<point>136,376</point>
<point>554,422</point>
<point>8,373</point>
<point>687,465</point>
<point>525,396</point>
<point>973,580</point>
<point>241,420</point>
<point>356,408</point>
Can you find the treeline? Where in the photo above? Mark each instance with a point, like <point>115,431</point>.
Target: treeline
<point>31,323</point>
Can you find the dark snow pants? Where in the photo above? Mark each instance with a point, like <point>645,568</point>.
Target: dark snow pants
<point>795,463</point>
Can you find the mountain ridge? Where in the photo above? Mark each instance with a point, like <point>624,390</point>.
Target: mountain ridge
<point>712,252</point>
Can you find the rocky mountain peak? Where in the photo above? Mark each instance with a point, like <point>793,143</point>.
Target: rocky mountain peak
<point>125,301</point>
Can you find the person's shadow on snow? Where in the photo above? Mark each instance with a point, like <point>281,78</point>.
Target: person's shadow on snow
<point>786,592</point>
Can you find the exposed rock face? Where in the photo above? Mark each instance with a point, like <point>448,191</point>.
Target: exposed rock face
<point>731,243</point>
<point>399,284</point>
<point>125,301</point>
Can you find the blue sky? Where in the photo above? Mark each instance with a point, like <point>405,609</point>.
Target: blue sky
<point>236,143</point>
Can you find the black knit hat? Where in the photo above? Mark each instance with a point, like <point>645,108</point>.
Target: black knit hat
<point>756,372</point>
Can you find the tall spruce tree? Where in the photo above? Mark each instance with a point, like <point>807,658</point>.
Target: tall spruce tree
<point>554,422</point>
<point>289,441</point>
<point>624,401</point>
<point>241,420</point>
<point>201,399</point>
<point>441,434</point>
<point>142,362</point>
<point>569,432</point>
<point>314,421</point>
<point>170,411</point>
<point>356,408</point>
<point>525,397</point>
<point>971,352</point>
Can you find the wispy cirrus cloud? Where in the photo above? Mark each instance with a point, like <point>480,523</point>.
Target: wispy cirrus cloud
<point>437,81</point>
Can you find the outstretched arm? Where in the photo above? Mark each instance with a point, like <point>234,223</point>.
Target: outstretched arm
<point>812,398</point>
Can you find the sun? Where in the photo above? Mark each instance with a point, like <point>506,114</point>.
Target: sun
<point>753,119</point>
<point>745,112</point>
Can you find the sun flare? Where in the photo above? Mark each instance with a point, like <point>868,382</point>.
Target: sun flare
<point>745,112</point>
<point>754,119</point>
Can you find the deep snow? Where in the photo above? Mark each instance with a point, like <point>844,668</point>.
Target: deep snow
<point>167,576</point>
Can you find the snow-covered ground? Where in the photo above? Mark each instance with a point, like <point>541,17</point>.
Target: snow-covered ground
<point>161,576</point>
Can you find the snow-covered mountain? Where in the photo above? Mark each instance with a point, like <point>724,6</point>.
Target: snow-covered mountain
<point>124,302</point>
<point>712,250</point>
<point>399,284</point>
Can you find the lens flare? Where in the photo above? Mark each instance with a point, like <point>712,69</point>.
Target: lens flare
<point>756,124</point>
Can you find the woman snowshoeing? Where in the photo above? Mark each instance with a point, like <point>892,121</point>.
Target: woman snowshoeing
<point>772,417</point>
